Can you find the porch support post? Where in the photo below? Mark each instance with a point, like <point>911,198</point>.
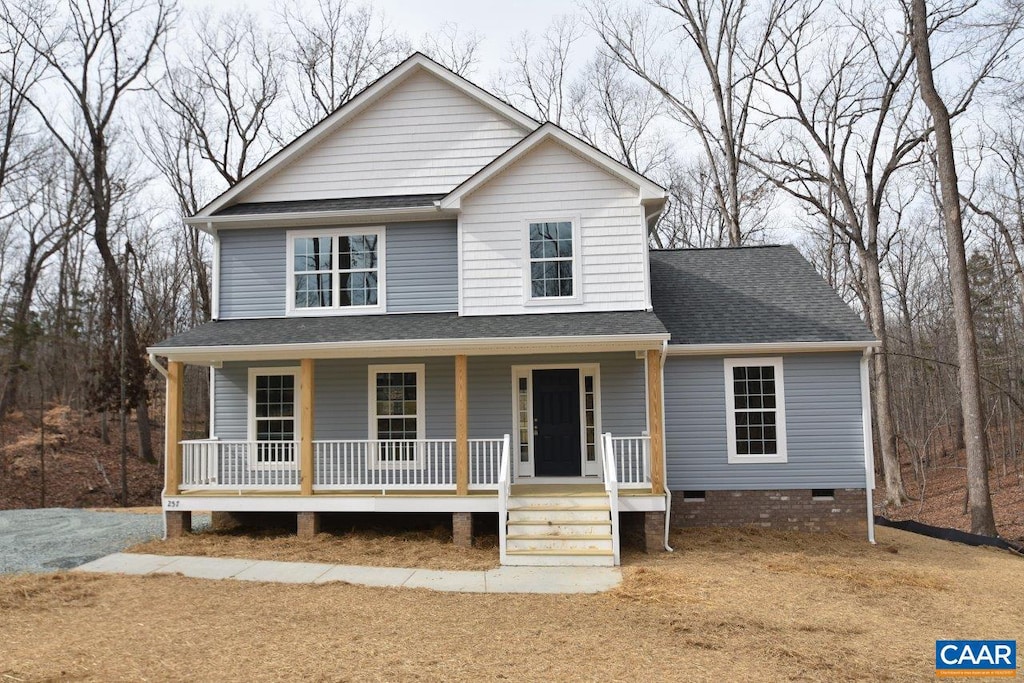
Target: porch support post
<point>655,422</point>
<point>173,427</point>
<point>306,426</point>
<point>461,426</point>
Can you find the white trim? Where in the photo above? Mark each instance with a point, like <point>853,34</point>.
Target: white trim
<point>646,240</point>
<point>781,454</point>
<point>480,346</point>
<point>371,411</point>
<point>773,347</point>
<point>528,469</point>
<point>869,444</point>
<point>459,258</point>
<point>576,299</point>
<point>215,295</point>
<point>417,62</point>
<point>213,402</point>
<point>296,372</point>
<point>212,224</point>
<point>647,190</point>
<point>336,308</point>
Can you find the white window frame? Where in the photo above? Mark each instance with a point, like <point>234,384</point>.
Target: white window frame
<point>781,455</point>
<point>296,372</point>
<point>374,460</point>
<point>577,273</point>
<point>335,308</point>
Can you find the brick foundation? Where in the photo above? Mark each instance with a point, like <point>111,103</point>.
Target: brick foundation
<point>307,524</point>
<point>654,532</point>
<point>179,522</point>
<point>462,529</point>
<point>787,510</point>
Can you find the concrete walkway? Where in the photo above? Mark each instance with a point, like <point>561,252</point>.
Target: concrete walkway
<point>500,580</point>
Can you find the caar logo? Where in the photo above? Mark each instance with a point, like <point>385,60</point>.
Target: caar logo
<point>976,658</point>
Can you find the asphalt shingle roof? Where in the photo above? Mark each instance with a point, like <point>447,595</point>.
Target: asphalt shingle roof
<point>412,327</point>
<point>401,201</point>
<point>748,295</point>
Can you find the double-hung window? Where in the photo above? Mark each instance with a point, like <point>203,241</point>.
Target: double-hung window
<point>553,267</point>
<point>396,414</point>
<point>336,271</point>
<point>273,415</point>
<point>755,410</point>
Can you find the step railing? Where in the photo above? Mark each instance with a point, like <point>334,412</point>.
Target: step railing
<point>632,460</point>
<point>611,487</point>
<point>504,491</point>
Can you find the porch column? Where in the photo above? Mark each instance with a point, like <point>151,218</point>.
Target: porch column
<point>655,426</point>
<point>306,426</point>
<point>173,427</point>
<point>461,427</point>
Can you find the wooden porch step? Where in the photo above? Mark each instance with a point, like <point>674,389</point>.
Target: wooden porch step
<point>560,508</point>
<point>565,522</point>
<point>558,537</point>
<point>553,552</point>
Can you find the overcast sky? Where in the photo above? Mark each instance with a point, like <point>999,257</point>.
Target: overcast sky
<point>498,22</point>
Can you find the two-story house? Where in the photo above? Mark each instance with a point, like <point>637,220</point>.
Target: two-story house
<point>430,302</point>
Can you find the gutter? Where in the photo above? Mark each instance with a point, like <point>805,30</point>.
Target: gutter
<point>771,347</point>
<point>420,347</point>
<point>869,446</point>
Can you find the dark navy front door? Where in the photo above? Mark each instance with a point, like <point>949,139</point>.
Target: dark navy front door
<point>556,423</point>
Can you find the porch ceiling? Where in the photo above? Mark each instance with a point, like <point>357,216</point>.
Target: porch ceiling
<point>417,333</point>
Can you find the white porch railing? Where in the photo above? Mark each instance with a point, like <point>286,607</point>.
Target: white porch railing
<point>348,465</point>
<point>271,465</point>
<point>504,491</point>
<point>611,486</point>
<point>632,460</point>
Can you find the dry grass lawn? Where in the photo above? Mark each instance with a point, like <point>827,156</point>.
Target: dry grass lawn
<point>427,549</point>
<point>727,606</point>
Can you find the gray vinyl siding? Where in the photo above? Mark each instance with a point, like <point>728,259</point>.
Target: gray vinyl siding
<point>253,273</point>
<point>421,270</point>
<point>824,426</point>
<point>422,267</point>
<point>341,409</point>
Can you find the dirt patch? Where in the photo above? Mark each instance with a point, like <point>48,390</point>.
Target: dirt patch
<point>80,470</point>
<point>428,549</point>
<point>710,611</point>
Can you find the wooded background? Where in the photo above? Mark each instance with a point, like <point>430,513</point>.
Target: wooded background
<point>885,139</point>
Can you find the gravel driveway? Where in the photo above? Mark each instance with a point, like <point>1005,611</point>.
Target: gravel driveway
<point>58,538</point>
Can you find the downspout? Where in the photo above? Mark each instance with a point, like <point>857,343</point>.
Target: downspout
<point>664,451</point>
<point>163,371</point>
<point>869,447</point>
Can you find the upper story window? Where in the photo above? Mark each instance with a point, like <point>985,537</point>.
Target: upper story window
<point>336,271</point>
<point>553,267</point>
<point>756,410</point>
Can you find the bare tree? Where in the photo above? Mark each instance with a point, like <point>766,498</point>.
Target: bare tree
<point>336,50</point>
<point>455,49</point>
<point>707,78</point>
<point>96,56</point>
<point>978,495</point>
<point>537,76</point>
<point>224,87</point>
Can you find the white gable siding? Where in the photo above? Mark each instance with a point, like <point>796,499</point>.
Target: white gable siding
<point>423,137</point>
<point>549,183</point>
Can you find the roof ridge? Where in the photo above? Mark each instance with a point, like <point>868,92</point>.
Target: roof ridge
<point>744,246</point>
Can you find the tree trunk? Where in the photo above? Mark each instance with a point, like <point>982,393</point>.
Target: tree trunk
<point>979,498</point>
<point>895,493</point>
<point>143,427</point>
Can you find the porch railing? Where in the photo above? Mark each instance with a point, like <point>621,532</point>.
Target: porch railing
<point>354,464</point>
<point>632,460</point>
<point>239,465</point>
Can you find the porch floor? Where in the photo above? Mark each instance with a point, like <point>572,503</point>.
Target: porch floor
<point>561,490</point>
<point>362,493</point>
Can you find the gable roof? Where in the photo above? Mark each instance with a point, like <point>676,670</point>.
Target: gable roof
<point>415,63</point>
<point>392,201</point>
<point>649,190</point>
<point>748,295</point>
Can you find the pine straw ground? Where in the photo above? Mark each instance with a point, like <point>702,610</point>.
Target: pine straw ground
<point>728,605</point>
<point>427,549</point>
